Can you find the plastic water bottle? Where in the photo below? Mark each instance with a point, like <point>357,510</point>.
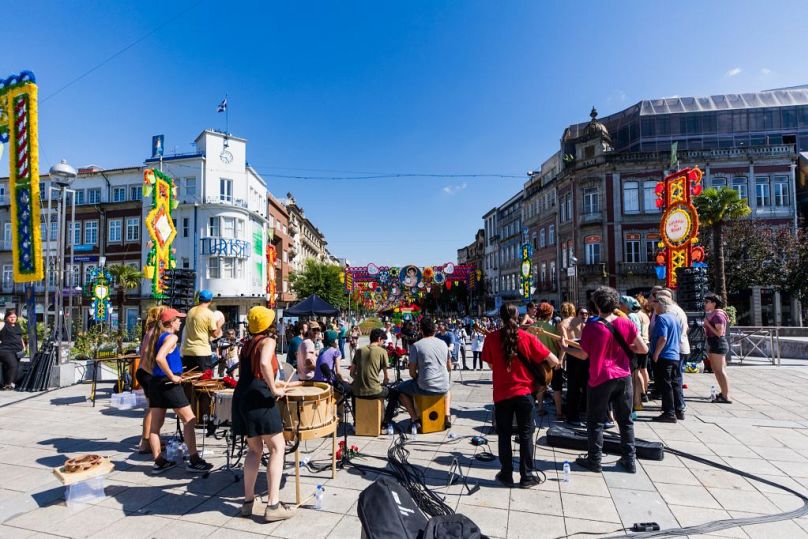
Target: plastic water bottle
<point>183,451</point>
<point>566,477</point>
<point>304,461</point>
<point>390,431</point>
<point>713,393</point>
<point>414,431</point>
<point>451,436</point>
<point>171,450</point>
<point>318,497</point>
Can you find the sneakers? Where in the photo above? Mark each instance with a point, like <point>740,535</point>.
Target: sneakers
<point>280,512</point>
<point>162,465</point>
<point>504,480</point>
<point>721,399</point>
<point>645,397</point>
<point>664,418</point>
<point>628,464</point>
<point>634,416</point>
<point>529,482</point>
<point>247,508</point>
<point>589,464</point>
<point>680,416</point>
<point>198,465</point>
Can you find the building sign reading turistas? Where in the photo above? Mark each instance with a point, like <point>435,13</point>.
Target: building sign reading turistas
<point>226,247</point>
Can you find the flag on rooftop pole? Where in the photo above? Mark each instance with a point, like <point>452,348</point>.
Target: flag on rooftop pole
<point>222,106</point>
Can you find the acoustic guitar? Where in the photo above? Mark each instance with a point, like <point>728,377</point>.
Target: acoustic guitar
<point>542,378</point>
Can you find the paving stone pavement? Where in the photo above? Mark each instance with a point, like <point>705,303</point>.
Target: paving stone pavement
<point>765,432</point>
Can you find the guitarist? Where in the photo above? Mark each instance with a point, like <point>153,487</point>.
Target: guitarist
<point>609,342</point>
<point>544,322</point>
<point>515,357</point>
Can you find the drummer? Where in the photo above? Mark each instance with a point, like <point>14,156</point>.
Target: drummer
<point>256,414</point>
<point>165,391</point>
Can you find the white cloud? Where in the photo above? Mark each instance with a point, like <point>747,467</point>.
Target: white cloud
<point>765,70</point>
<point>734,71</point>
<point>452,190</point>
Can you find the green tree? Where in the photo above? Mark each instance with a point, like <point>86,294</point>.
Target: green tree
<point>322,279</point>
<point>718,207</point>
<point>124,278</point>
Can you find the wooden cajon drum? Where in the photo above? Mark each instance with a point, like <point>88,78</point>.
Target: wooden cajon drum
<point>368,415</point>
<point>432,412</point>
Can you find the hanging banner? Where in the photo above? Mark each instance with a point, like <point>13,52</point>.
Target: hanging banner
<point>160,226</point>
<point>19,127</point>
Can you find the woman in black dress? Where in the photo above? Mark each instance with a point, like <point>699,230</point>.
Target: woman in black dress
<point>11,346</point>
<point>256,415</point>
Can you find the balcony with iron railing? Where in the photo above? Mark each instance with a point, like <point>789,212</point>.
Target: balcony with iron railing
<point>592,270</point>
<point>226,200</point>
<point>637,268</point>
<point>591,217</point>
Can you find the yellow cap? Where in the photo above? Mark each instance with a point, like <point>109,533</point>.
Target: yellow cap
<point>259,319</point>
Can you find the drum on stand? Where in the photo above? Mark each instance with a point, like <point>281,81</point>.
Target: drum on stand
<point>308,409</point>
<point>223,406</point>
<point>202,403</point>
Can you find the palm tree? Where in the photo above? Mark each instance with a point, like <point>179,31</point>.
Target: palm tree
<point>123,278</point>
<point>717,207</point>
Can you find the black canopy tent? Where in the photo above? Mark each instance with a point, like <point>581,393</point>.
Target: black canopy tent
<point>313,305</point>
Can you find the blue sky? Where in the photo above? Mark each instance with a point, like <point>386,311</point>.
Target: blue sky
<point>450,89</point>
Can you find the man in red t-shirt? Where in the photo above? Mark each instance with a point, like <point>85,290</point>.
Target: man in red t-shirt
<point>506,351</point>
<point>609,376</point>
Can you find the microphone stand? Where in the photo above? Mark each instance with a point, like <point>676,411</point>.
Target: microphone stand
<point>345,401</point>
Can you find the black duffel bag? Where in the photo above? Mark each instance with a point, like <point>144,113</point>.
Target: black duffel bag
<point>387,511</point>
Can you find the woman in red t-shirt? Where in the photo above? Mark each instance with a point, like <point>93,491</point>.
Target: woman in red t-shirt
<point>513,388</point>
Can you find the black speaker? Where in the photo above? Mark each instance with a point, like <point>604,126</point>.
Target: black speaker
<point>180,288</point>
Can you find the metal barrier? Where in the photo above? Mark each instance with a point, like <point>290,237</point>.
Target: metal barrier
<point>768,342</point>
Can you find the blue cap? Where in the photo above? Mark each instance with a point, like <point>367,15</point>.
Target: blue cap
<point>205,296</point>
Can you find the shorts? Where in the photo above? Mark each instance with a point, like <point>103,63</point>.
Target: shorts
<point>144,379</point>
<point>203,363</point>
<point>717,345</point>
<point>411,388</point>
<point>642,361</point>
<point>381,395</point>
<point>557,383</point>
<point>166,395</point>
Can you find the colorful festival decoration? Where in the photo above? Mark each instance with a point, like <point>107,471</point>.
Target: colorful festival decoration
<point>19,127</point>
<point>525,271</point>
<point>679,228</point>
<point>381,287</point>
<point>160,227</point>
<point>98,284</point>
<point>272,256</point>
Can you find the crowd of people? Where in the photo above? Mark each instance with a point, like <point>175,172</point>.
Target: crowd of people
<point>606,355</point>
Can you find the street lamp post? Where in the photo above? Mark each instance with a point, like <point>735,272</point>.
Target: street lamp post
<point>61,177</point>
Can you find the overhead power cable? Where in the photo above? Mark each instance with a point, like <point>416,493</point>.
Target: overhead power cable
<point>120,51</point>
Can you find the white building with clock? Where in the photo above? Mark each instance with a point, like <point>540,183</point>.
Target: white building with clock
<point>221,221</point>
